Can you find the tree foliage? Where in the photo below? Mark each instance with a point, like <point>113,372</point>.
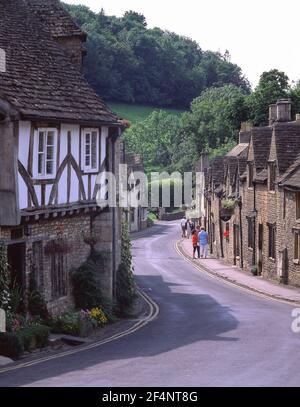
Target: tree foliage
<point>272,86</point>
<point>128,62</point>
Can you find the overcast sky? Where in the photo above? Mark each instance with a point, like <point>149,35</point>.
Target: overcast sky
<point>259,34</point>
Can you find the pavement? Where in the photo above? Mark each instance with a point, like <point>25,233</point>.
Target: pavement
<point>207,333</point>
<point>242,278</point>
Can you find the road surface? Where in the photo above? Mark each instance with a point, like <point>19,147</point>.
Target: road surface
<point>207,333</point>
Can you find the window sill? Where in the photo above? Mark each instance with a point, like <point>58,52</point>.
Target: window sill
<point>272,260</point>
<point>90,172</point>
<point>250,249</point>
<point>297,262</point>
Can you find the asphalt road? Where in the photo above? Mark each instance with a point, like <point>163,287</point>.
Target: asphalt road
<point>207,333</point>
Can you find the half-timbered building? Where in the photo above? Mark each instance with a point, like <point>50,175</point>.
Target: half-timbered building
<point>56,135</point>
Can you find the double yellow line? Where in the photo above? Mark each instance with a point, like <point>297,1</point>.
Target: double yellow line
<point>153,313</point>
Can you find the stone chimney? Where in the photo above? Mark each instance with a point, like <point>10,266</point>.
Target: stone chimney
<point>245,135</point>
<point>284,110</point>
<point>203,161</point>
<point>272,114</point>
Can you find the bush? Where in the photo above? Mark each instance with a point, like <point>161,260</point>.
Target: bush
<point>86,282</point>
<point>35,336</point>
<point>10,345</point>
<point>36,303</point>
<point>67,323</point>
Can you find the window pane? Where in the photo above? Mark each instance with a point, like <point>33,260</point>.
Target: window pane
<point>87,160</point>
<point>50,167</point>
<point>88,139</point>
<point>50,138</point>
<point>296,246</point>
<point>50,153</point>
<point>41,142</point>
<point>40,163</point>
<point>94,149</point>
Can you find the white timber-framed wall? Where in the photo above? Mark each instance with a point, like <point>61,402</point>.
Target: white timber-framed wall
<point>70,181</point>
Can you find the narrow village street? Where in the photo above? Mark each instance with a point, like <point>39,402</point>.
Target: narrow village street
<point>207,333</point>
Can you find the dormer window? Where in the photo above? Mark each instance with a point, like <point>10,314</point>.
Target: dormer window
<point>250,175</point>
<point>45,153</point>
<point>272,176</point>
<point>90,150</point>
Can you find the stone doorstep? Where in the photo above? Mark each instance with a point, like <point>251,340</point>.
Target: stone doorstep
<point>276,291</point>
<point>56,339</point>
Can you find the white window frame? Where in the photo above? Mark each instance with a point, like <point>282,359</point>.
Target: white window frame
<point>37,153</point>
<point>86,150</point>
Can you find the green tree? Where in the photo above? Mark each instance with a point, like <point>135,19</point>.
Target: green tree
<point>154,139</point>
<point>128,62</point>
<point>214,120</point>
<point>272,86</point>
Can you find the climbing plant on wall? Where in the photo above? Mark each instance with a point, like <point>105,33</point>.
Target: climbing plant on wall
<point>4,279</point>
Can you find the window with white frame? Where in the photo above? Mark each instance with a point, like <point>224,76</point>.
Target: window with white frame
<point>46,151</point>
<point>90,149</point>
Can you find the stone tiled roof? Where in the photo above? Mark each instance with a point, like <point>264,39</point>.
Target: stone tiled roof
<point>55,17</point>
<point>261,177</point>
<point>293,181</point>
<point>40,81</point>
<point>291,178</point>
<point>232,165</point>
<point>287,140</point>
<point>238,150</point>
<point>242,165</point>
<point>218,169</point>
<point>261,140</point>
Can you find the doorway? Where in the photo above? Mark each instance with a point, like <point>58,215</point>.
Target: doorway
<point>16,261</point>
<point>260,248</point>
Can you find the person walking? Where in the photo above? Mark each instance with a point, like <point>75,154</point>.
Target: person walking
<point>188,229</point>
<point>183,227</point>
<point>195,244</point>
<point>203,242</point>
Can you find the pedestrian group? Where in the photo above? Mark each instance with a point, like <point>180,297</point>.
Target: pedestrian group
<point>199,237</point>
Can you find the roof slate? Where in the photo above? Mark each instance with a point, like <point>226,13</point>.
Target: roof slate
<point>261,141</point>
<point>55,17</point>
<point>287,140</point>
<point>40,80</point>
<point>218,169</point>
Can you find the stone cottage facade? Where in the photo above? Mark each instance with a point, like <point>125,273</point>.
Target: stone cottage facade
<point>252,199</point>
<point>56,135</point>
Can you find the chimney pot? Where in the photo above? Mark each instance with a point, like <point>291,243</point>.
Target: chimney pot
<point>284,110</point>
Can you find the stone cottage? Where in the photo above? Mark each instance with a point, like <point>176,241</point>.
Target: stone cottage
<point>252,199</point>
<point>56,135</point>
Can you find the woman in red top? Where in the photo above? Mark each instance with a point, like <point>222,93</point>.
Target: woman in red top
<point>195,244</point>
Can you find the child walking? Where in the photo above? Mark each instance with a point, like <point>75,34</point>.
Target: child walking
<point>195,244</point>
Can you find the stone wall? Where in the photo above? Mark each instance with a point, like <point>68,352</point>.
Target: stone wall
<point>73,230</point>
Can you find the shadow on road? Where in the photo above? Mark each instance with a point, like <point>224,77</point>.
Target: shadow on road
<point>185,318</point>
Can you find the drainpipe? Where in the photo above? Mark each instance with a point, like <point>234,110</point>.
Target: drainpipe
<point>220,231</point>
<point>241,235</point>
<point>114,217</point>
<point>254,225</point>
